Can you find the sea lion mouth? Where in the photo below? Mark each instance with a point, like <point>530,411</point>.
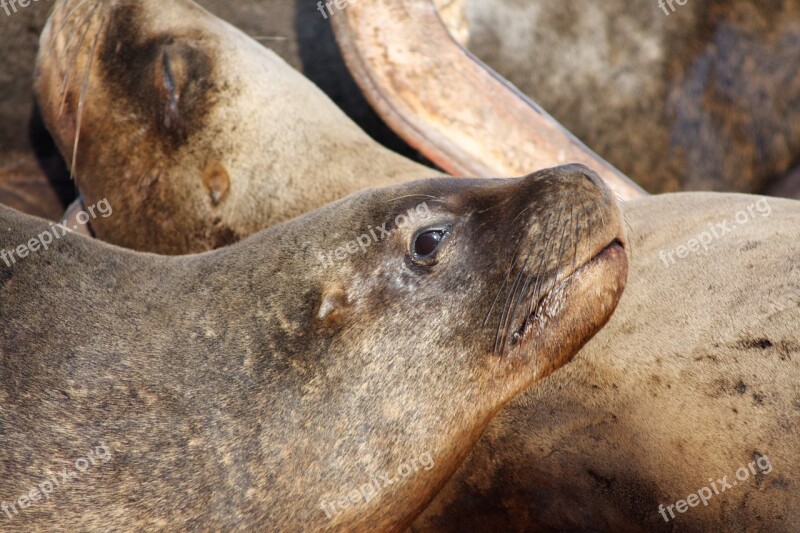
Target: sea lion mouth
<point>610,257</point>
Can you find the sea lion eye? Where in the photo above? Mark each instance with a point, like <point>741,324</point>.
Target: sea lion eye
<point>427,242</point>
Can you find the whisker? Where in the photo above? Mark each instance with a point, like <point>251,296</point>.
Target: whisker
<point>520,214</point>
<point>65,19</point>
<point>511,313</point>
<point>507,318</point>
<point>508,275</point>
<point>81,105</point>
<point>541,270</point>
<point>630,234</point>
<point>511,268</point>
<point>557,267</point>
<point>576,223</point>
<point>602,216</point>
<point>268,38</point>
<point>413,196</point>
<point>539,283</point>
<point>67,51</point>
<point>494,205</point>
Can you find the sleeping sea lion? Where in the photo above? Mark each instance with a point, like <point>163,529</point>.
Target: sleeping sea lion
<point>205,124</point>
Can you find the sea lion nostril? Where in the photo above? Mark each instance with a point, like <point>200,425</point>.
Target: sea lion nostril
<point>594,179</point>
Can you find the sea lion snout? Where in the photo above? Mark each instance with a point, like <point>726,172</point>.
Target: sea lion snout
<point>580,179</point>
<point>576,243</point>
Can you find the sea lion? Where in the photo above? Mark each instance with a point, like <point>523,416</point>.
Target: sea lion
<point>204,155</point>
<point>250,387</point>
<point>293,29</point>
<point>694,379</point>
<point>207,126</point>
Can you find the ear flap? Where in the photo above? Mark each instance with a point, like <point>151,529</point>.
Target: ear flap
<point>217,182</point>
<point>334,301</point>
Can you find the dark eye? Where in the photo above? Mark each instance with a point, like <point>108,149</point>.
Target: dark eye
<point>426,243</point>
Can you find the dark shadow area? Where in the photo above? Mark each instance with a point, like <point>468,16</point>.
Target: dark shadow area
<point>324,65</point>
<point>786,185</point>
<point>49,159</point>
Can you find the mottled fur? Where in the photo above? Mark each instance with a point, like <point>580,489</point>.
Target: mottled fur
<point>240,388</point>
<point>695,376</point>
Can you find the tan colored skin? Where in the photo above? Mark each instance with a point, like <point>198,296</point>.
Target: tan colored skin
<point>448,104</point>
<point>705,98</point>
<point>240,388</point>
<point>205,121</point>
<point>695,376</point>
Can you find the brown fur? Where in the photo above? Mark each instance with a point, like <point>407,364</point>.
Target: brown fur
<point>193,95</point>
<point>241,388</point>
<point>705,98</point>
<point>293,29</point>
<point>695,376</point>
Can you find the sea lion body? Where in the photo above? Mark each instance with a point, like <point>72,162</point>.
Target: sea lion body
<point>694,379</point>
<point>243,388</point>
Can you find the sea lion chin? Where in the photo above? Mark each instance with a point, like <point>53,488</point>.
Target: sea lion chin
<point>245,387</point>
<point>191,128</point>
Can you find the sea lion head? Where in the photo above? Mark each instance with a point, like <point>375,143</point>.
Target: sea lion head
<point>476,288</point>
<point>189,127</point>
